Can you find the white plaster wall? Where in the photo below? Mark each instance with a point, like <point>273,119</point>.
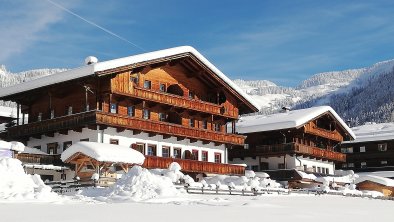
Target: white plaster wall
<point>60,138</point>
<point>317,163</point>
<point>126,138</point>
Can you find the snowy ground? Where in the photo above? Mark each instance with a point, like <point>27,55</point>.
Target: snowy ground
<point>208,208</point>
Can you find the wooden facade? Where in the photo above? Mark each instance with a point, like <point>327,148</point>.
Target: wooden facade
<point>370,185</point>
<point>368,156</point>
<point>176,96</point>
<point>317,139</point>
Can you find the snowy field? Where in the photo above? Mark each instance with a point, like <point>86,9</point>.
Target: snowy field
<point>208,208</point>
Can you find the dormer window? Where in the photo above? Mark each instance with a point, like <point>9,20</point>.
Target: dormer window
<point>162,87</point>
<point>114,108</point>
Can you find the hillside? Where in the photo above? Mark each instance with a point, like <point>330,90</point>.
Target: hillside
<point>359,95</point>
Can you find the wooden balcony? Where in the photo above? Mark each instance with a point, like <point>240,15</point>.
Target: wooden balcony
<point>168,129</point>
<point>76,121</point>
<point>39,159</point>
<point>194,166</point>
<point>178,101</point>
<point>333,135</point>
<point>288,148</point>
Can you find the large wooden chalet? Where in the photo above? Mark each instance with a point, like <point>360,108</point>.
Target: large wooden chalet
<point>305,140</point>
<point>372,150</point>
<point>171,105</point>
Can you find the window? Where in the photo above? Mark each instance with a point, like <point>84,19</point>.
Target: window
<point>131,110</point>
<point>146,114</point>
<point>194,154</point>
<point>363,164</point>
<point>344,165</point>
<point>313,168</point>
<point>162,87</point>
<point>362,149</point>
<point>327,171</point>
<point>151,150</point>
<point>39,117</point>
<point>318,169</point>
<point>52,148</point>
<point>205,124</point>
<point>134,78</point>
<point>350,165</point>
<point>305,167</point>
<point>162,117</point>
<point>165,151</point>
<point>37,147</point>
<point>147,84</point>
<point>191,122</point>
<point>246,146</point>
<point>218,157</point>
<point>349,150</point>
<point>178,153</point>
<point>281,165</point>
<point>255,168</point>
<point>67,144</point>
<point>86,140</point>
<point>114,141</point>
<point>191,95</point>
<point>383,162</point>
<point>69,110</point>
<point>114,108</point>
<point>140,147</point>
<point>52,113</point>
<point>218,126</point>
<point>382,147</point>
<point>204,156</point>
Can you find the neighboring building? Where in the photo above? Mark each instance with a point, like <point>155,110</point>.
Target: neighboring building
<point>305,140</point>
<point>373,150</point>
<point>171,105</point>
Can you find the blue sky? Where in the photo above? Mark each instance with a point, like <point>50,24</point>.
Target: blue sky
<point>282,41</point>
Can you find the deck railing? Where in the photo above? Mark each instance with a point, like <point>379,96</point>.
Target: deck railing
<point>178,101</point>
<point>194,165</point>
<point>288,148</point>
<point>168,128</point>
<point>39,159</point>
<point>323,133</point>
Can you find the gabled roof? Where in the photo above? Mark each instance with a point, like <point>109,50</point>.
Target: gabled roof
<point>287,120</point>
<point>373,132</point>
<point>95,68</point>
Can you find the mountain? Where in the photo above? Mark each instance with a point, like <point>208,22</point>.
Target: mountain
<point>7,78</point>
<point>358,95</point>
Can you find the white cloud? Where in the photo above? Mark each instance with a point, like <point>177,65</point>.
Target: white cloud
<point>22,23</point>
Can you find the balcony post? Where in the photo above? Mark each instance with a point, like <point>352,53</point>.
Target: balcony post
<point>17,113</point>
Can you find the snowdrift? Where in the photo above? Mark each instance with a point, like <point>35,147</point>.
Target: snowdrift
<point>15,184</point>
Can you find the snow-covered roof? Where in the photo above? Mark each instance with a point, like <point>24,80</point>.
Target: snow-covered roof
<point>286,120</point>
<point>104,152</point>
<point>376,179</point>
<point>373,132</point>
<point>13,145</point>
<point>106,65</point>
<point>387,174</point>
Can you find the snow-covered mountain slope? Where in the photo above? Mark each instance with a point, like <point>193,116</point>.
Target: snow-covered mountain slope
<point>360,95</point>
<point>7,78</point>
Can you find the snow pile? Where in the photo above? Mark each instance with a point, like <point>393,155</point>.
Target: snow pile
<point>139,184</point>
<point>13,145</point>
<point>15,184</point>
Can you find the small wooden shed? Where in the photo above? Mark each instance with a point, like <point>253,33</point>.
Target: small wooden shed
<point>100,159</point>
<point>376,183</point>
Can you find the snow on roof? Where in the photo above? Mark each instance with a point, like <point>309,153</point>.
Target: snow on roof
<point>376,179</point>
<point>387,174</point>
<point>104,152</point>
<point>13,145</point>
<point>373,132</point>
<point>102,66</point>
<point>286,120</point>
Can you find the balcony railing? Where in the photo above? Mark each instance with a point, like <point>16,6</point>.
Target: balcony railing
<point>323,133</point>
<point>168,128</point>
<point>40,159</point>
<point>288,148</point>
<point>97,117</point>
<point>194,166</point>
<point>178,101</point>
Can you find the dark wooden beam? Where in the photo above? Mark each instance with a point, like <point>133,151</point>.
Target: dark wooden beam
<point>192,140</point>
<point>120,129</point>
<point>79,130</point>
<point>151,134</point>
<point>136,132</point>
<point>50,134</point>
<point>103,127</point>
<point>180,138</point>
<point>63,132</point>
<point>166,136</point>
